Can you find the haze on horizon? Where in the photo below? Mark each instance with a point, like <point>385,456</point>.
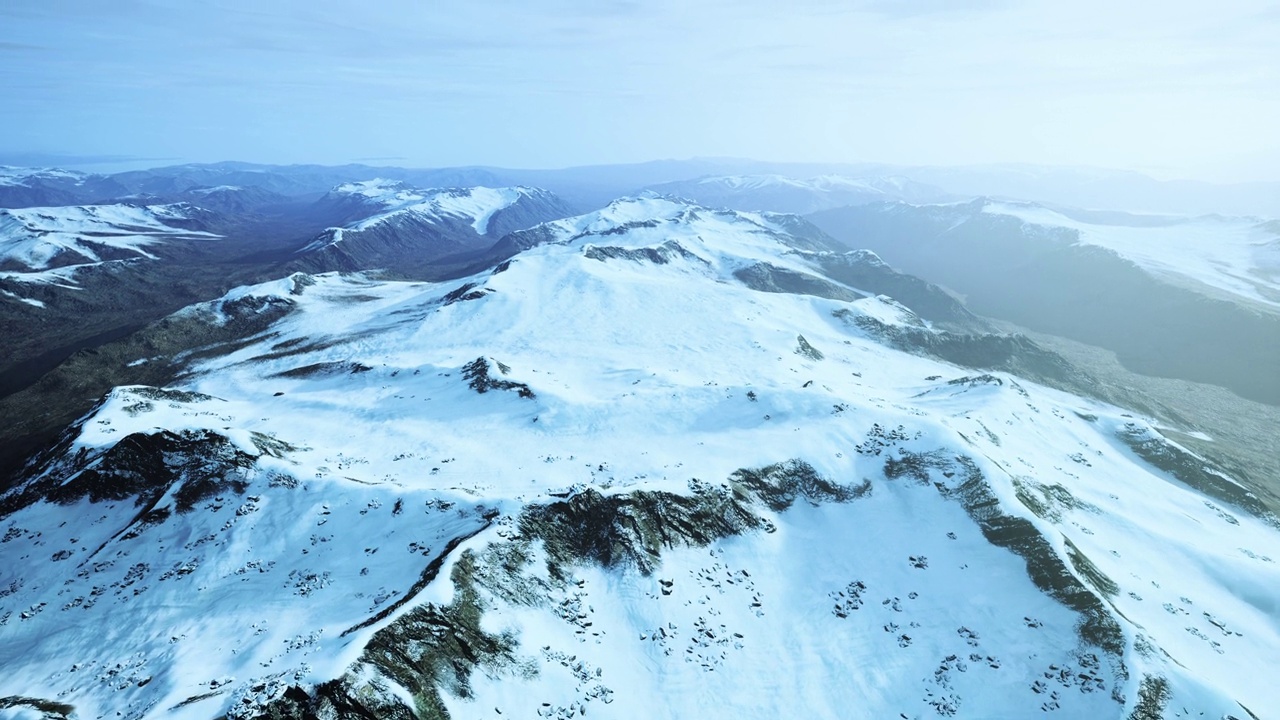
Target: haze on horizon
<point>1175,89</point>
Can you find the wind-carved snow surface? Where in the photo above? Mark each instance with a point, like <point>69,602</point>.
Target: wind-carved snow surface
<point>47,245</point>
<point>1238,257</point>
<point>474,206</point>
<point>384,434</point>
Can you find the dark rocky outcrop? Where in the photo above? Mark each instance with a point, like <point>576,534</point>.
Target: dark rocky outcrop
<point>144,467</point>
<point>1015,354</point>
<point>765,277</point>
<point>435,648</point>
<point>478,377</point>
<point>632,530</point>
<point>1047,570</point>
<point>658,255</point>
<point>1195,472</point>
<point>865,270</point>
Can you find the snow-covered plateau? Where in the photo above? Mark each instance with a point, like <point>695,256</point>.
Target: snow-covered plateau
<point>611,478</point>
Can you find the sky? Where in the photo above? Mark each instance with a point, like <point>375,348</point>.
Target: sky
<point>1174,88</point>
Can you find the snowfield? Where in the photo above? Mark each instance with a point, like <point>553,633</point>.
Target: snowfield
<point>474,206</point>
<point>608,479</point>
<point>23,177</point>
<point>46,245</point>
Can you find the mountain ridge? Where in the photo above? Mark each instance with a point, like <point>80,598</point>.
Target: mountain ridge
<point>659,483</point>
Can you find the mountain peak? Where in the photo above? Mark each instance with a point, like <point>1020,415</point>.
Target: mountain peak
<point>650,219</point>
<point>629,461</point>
<point>616,452</point>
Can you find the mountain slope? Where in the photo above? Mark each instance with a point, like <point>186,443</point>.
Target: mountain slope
<point>388,224</point>
<point>611,477</point>
<point>232,200</point>
<point>1191,299</point>
<point>1237,259</point>
<point>42,245</point>
<point>43,187</point>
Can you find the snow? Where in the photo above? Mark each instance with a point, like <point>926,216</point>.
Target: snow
<point>21,177</point>
<point>19,298</point>
<point>63,277</point>
<point>821,183</point>
<point>218,189</point>
<point>33,238</point>
<point>381,191</point>
<point>1238,257</point>
<point>475,205</point>
<point>641,373</point>
<point>724,239</point>
<point>775,648</point>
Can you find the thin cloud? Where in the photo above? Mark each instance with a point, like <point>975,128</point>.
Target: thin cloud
<point>38,159</point>
<point>921,8</point>
<point>565,82</point>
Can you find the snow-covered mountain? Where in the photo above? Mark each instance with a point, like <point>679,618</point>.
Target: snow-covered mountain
<point>483,209</point>
<point>49,244</point>
<point>658,463</point>
<point>780,193</point>
<point>389,224</point>
<point>11,176</point>
<point>232,200</point>
<point>1230,257</point>
<point>39,187</point>
<point>33,187</point>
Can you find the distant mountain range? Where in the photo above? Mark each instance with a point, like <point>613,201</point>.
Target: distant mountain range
<point>588,188</point>
<point>779,193</point>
